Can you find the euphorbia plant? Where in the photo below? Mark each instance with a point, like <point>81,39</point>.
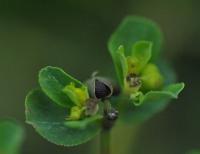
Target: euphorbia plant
<point>69,112</point>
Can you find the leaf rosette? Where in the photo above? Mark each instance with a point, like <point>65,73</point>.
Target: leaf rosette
<point>146,80</point>
<point>56,110</point>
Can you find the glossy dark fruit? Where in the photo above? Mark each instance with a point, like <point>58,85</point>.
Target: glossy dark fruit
<point>99,87</point>
<point>102,90</point>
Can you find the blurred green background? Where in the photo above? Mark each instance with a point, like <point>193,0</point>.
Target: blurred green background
<point>73,35</point>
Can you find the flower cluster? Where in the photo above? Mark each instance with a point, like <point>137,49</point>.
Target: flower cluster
<point>139,75</point>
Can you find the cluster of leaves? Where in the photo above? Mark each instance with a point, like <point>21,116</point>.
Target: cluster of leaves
<point>140,40</point>
<point>11,137</point>
<point>60,96</point>
<point>47,109</point>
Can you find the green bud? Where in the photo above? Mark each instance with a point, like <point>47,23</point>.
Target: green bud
<point>137,98</point>
<point>141,54</point>
<point>77,95</point>
<point>75,113</point>
<point>151,78</point>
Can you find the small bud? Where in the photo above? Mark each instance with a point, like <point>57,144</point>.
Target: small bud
<point>75,113</point>
<point>152,78</point>
<point>78,95</point>
<point>137,98</point>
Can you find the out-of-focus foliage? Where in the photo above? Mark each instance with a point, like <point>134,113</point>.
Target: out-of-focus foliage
<point>196,151</point>
<point>11,137</point>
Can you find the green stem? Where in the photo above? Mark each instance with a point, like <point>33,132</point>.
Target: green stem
<point>105,142</point>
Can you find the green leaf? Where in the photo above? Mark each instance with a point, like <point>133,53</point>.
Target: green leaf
<point>49,121</point>
<point>141,54</point>
<point>53,80</point>
<point>11,137</point>
<point>133,29</point>
<point>82,124</point>
<point>152,103</point>
<point>121,65</point>
<point>166,71</point>
<point>168,92</point>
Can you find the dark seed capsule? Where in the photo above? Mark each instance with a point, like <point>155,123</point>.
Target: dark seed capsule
<point>99,87</point>
<point>101,90</point>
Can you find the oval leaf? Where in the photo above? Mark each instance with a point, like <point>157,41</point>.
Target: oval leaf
<point>11,137</point>
<point>167,71</point>
<point>49,121</point>
<point>53,80</point>
<point>133,29</point>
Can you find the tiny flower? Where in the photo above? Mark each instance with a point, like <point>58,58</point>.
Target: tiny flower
<point>138,73</point>
<point>78,95</point>
<point>84,106</point>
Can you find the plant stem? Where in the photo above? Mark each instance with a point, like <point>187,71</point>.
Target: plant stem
<point>105,142</point>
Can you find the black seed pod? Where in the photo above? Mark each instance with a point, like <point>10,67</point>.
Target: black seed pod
<point>99,88</point>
